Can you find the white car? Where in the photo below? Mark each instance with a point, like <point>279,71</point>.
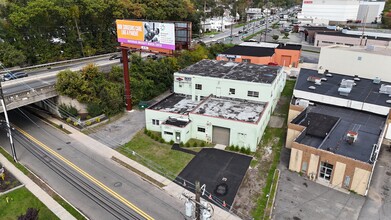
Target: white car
<point>212,36</point>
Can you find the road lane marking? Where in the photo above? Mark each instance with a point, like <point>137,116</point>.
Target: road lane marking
<point>85,174</point>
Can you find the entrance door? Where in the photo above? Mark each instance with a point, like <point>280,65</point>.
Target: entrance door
<point>325,171</point>
<point>286,60</point>
<point>177,137</point>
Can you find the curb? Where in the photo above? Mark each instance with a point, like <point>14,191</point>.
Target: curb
<point>10,190</point>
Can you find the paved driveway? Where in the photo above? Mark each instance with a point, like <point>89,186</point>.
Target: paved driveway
<point>300,199</point>
<point>378,202</point>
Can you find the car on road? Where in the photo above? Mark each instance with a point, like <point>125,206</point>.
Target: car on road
<point>252,40</point>
<point>11,76</point>
<point>236,35</point>
<point>115,56</point>
<point>155,56</point>
<point>239,32</point>
<point>212,36</point>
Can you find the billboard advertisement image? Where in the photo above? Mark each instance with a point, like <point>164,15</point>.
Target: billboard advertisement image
<point>148,34</point>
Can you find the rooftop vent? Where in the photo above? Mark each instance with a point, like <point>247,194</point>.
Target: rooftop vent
<point>388,101</point>
<point>376,80</point>
<point>356,79</point>
<point>351,137</point>
<point>385,89</point>
<point>329,74</point>
<point>302,102</point>
<point>313,79</point>
<point>312,87</point>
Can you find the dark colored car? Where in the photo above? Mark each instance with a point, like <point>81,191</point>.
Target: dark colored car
<point>11,76</point>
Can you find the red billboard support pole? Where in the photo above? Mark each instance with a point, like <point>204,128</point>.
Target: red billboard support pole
<point>128,96</point>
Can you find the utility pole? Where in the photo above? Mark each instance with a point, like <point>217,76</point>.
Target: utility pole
<point>79,37</point>
<point>198,197</point>
<point>204,29</point>
<point>8,124</point>
<point>266,21</point>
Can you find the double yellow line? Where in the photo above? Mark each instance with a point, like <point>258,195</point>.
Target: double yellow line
<point>83,173</point>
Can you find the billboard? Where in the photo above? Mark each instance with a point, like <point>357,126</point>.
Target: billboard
<point>147,34</point>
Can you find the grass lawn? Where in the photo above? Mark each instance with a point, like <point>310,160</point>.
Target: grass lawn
<point>269,138</point>
<point>20,200</point>
<point>156,154</point>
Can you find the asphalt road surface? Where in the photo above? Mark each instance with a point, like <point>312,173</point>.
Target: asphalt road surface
<point>90,199</point>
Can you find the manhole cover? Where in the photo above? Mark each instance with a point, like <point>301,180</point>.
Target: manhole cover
<point>59,148</point>
<point>221,189</point>
<point>117,184</point>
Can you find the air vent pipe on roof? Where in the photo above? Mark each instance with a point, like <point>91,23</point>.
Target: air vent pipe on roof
<point>351,137</point>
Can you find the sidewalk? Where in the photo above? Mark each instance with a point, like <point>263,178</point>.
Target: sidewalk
<point>170,188</point>
<point>56,208</point>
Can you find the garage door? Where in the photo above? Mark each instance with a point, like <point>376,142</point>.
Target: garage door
<point>220,135</point>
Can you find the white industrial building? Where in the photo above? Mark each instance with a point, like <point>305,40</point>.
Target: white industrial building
<point>218,101</point>
<point>340,11</point>
<point>372,62</point>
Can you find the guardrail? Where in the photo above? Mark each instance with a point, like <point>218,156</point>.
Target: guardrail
<point>55,63</point>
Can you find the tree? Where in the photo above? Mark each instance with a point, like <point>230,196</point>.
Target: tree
<point>286,34</point>
<point>10,56</point>
<point>275,37</point>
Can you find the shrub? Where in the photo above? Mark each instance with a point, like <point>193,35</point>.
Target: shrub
<point>69,120</point>
<point>67,111</point>
<point>187,144</point>
<point>161,140</point>
<point>171,142</point>
<point>236,148</point>
<point>94,109</point>
<point>242,150</point>
<point>31,213</point>
<point>88,117</point>
<point>145,131</point>
<point>195,144</point>
<point>156,138</point>
<point>286,34</point>
<point>88,123</point>
<point>275,37</point>
<point>97,120</point>
<point>248,151</point>
<point>75,123</point>
<point>203,144</point>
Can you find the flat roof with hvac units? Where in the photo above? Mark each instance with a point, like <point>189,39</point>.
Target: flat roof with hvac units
<point>175,103</point>
<point>342,131</point>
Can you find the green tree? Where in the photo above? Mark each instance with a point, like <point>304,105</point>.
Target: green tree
<point>10,56</point>
<point>275,37</point>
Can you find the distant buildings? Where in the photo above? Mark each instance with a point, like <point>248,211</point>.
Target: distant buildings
<point>218,101</point>
<point>342,11</point>
<point>263,53</point>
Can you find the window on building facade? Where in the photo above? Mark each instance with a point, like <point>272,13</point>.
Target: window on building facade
<point>231,59</point>
<point>304,167</point>
<point>246,61</point>
<point>155,122</point>
<point>325,171</point>
<point>232,91</point>
<point>169,133</point>
<point>253,94</point>
<point>346,183</point>
<point>200,129</point>
<point>198,86</point>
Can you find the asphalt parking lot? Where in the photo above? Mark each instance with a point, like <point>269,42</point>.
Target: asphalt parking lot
<point>300,199</point>
<point>222,172</point>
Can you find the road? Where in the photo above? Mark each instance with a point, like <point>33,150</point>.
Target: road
<point>86,191</point>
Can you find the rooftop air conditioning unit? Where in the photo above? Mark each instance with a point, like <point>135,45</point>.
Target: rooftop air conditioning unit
<point>385,89</point>
<point>351,137</point>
